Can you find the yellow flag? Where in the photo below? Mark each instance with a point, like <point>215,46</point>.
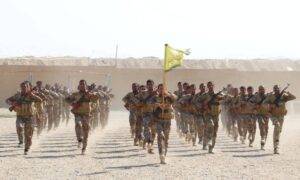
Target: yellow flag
<point>173,57</point>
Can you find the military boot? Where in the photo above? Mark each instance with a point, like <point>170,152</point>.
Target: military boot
<point>150,150</point>
<point>262,144</point>
<point>210,149</point>
<point>162,159</point>
<point>26,151</point>
<point>83,151</point>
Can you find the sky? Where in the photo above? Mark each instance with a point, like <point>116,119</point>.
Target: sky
<point>219,29</point>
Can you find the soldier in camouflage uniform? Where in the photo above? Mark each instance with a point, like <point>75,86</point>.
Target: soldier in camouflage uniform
<point>277,101</point>
<point>39,88</point>
<point>50,105</point>
<point>198,103</point>
<point>56,107</point>
<point>234,109</point>
<point>103,101</point>
<point>178,93</point>
<point>163,114</point>
<point>130,105</point>
<point>108,101</point>
<point>187,115</point>
<point>23,104</point>
<point>250,116</point>
<point>139,120</point>
<point>212,103</point>
<point>226,117</point>
<point>81,102</point>
<point>65,106</point>
<point>39,106</point>
<point>243,126</point>
<point>147,102</point>
<point>94,108</point>
<point>262,115</point>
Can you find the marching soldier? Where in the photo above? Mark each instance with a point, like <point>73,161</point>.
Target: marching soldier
<point>243,126</point>
<point>187,111</point>
<point>212,103</point>
<point>178,93</point>
<point>262,115</point>
<point>139,119</point>
<point>277,101</point>
<point>163,114</point>
<point>23,104</point>
<point>128,99</point>
<point>198,102</point>
<point>250,116</point>
<point>147,102</point>
<point>81,102</point>
<point>65,106</point>
<point>234,109</point>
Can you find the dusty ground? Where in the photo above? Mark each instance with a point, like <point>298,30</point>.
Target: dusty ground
<point>111,155</point>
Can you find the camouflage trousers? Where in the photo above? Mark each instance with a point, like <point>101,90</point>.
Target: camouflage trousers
<point>250,124</point>
<point>177,119</point>
<point>263,123</point>
<point>24,125</point>
<point>94,121</point>
<point>225,119</point>
<point>236,125</point>
<point>139,128</point>
<point>56,116</point>
<point>66,113</point>
<point>103,116</point>
<point>148,122</point>
<point>212,122</point>
<point>39,122</point>
<point>278,123</point>
<point>82,128</point>
<point>132,122</point>
<point>163,132</point>
<point>187,123</point>
<point>199,126</point>
<point>50,117</point>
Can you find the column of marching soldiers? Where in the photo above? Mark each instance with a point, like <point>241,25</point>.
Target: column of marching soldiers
<point>46,108</point>
<point>197,114</point>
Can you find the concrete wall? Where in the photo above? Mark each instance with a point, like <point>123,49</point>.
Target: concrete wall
<point>11,76</point>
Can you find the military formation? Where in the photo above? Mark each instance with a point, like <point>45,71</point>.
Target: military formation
<point>197,114</point>
<point>151,109</point>
<point>47,107</point>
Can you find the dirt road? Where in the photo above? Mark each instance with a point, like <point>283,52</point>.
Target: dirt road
<point>111,155</point>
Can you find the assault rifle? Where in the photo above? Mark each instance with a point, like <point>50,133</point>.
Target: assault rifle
<point>78,103</point>
<point>211,101</point>
<point>277,100</point>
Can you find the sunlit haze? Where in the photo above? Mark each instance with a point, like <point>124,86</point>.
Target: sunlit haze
<point>211,28</point>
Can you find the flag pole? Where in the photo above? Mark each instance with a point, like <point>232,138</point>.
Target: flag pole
<point>164,79</point>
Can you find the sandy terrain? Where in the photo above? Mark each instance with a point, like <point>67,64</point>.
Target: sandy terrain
<point>111,155</point>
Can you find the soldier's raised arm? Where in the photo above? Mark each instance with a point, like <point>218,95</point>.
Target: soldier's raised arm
<point>11,99</point>
<point>289,96</point>
<point>34,97</point>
